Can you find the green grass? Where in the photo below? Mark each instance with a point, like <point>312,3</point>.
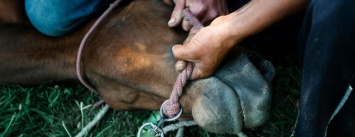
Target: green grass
<point>54,110</point>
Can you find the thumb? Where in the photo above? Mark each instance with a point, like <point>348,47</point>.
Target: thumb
<point>176,16</point>
<point>180,65</point>
<point>182,52</point>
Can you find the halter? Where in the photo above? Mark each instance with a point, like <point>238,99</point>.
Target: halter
<point>82,44</point>
<point>170,109</point>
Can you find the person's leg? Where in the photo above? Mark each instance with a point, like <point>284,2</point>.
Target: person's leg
<point>59,17</point>
<point>327,51</point>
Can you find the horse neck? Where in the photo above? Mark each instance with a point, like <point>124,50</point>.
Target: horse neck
<point>28,57</point>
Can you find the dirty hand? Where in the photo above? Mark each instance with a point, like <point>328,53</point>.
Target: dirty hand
<point>204,10</point>
<point>206,48</point>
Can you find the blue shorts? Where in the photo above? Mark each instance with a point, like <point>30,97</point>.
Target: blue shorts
<point>59,17</point>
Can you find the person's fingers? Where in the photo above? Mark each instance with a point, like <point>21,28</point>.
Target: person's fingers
<point>203,69</point>
<point>185,52</point>
<point>180,65</point>
<point>176,16</point>
<point>192,33</point>
<point>186,25</point>
<point>196,73</point>
<point>182,52</point>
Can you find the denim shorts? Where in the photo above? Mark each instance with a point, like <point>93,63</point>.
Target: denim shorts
<point>59,17</point>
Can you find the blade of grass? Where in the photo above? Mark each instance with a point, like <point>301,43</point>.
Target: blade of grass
<point>65,128</point>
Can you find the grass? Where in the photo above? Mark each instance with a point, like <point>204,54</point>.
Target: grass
<point>54,110</point>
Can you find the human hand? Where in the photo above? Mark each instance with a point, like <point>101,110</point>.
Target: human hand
<point>204,10</point>
<point>205,47</point>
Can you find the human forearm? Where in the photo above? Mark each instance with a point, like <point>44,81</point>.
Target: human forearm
<point>208,47</point>
<point>256,16</point>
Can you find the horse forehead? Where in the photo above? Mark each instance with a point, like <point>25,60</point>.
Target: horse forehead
<point>139,31</point>
<point>139,56</point>
<point>140,46</point>
<point>144,9</point>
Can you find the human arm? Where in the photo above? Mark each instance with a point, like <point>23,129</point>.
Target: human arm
<point>208,47</point>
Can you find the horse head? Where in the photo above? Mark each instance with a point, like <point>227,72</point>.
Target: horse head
<point>129,61</point>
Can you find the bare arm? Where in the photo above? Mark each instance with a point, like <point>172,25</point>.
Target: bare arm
<point>260,14</point>
<point>208,47</point>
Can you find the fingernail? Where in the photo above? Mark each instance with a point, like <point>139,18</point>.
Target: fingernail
<point>173,48</point>
<point>180,66</point>
<point>171,21</point>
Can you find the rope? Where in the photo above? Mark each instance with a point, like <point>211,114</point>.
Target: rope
<point>97,118</point>
<point>82,44</point>
<point>189,17</point>
<point>172,106</point>
<point>178,125</point>
<point>104,110</point>
<point>241,134</point>
<point>180,132</point>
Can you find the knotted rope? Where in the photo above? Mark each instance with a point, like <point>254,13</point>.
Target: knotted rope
<point>172,106</point>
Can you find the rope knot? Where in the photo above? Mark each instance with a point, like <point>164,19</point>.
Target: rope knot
<point>171,108</point>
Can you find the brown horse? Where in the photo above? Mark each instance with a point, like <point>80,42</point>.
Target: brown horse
<point>128,59</point>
